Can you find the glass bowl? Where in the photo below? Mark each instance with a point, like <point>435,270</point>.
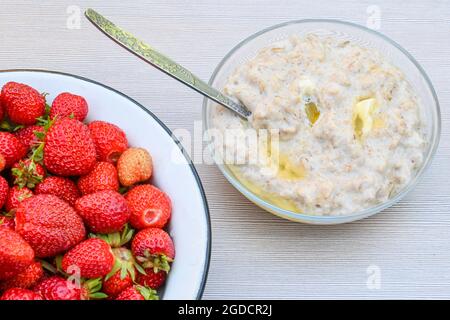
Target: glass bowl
<point>365,37</point>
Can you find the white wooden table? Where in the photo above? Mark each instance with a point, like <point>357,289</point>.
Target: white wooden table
<point>256,255</point>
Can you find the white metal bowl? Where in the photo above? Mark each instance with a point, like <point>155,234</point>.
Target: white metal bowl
<point>190,222</point>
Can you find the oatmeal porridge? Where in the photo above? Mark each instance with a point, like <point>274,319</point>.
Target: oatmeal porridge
<point>345,130</point>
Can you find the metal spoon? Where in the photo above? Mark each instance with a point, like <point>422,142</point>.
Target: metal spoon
<point>163,63</point>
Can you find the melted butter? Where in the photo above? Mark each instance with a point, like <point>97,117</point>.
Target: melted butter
<point>285,168</point>
<point>282,166</point>
<point>271,198</point>
<point>312,112</point>
<point>378,123</point>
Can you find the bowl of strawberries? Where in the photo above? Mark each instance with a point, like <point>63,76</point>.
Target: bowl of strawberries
<point>97,198</point>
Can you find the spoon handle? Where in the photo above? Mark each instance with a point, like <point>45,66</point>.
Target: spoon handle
<point>163,63</point>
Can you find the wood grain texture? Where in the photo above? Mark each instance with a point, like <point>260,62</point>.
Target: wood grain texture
<point>256,255</point>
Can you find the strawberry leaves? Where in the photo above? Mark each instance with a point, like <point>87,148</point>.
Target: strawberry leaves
<point>125,264</point>
<point>116,239</point>
<point>156,261</point>
<point>5,125</point>
<point>26,174</point>
<point>147,293</point>
<point>93,287</point>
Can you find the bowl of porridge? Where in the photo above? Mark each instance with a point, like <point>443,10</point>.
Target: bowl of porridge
<point>344,121</point>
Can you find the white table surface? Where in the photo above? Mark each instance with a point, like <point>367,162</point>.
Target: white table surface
<point>256,255</point>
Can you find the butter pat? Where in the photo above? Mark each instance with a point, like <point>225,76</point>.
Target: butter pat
<point>363,117</point>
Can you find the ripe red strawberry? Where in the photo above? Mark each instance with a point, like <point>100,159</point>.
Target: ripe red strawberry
<point>116,284</point>
<point>149,207</point>
<point>134,165</point>
<point>28,135</point>
<point>102,177</point>
<point>93,257</point>
<point>23,104</point>
<point>11,148</point>
<point>138,292</point>
<point>7,222</point>
<point>15,253</point>
<point>57,288</point>
<point>64,188</point>
<point>26,279</point>
<point>4,190</point>
<point>153,248</point>
<point>2,162</point>
<point>15,196</point>
<point>69,149</point>
<point>27,173</point>
<point>152,279</point>
<point>103,211</point>
<point>20,294</point>
<point>49,224</point>
<point>123,273</point>
<point>67,104</point>
<point>2,111</point>
<point>110,141</point>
